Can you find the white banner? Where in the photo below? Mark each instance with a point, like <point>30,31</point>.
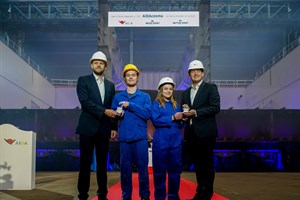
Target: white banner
<point>153,19</point>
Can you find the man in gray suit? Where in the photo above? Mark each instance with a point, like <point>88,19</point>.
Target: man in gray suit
<point>201,102</point>
<point>95,125</point>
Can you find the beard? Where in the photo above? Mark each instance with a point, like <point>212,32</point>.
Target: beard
<point>98,73</point>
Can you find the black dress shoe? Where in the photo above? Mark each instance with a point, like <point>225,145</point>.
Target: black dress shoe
<point>201,197</point>
<point>197,197</point>
<point>207,197</point>
<point>128,198</point>
<point>145,198</point>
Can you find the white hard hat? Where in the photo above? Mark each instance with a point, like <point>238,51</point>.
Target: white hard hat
<point>164,81</point>
<point>196,64</point>
<point>98,56</point>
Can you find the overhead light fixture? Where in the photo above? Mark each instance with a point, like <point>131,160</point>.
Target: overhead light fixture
<point>289,8</point>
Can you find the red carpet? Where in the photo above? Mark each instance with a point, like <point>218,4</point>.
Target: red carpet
<point>187,190</point>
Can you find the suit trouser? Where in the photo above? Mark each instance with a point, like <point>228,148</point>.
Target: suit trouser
<point>202,154</point>
<point>87,144</point>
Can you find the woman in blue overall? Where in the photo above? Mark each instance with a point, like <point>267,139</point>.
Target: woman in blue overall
<point>167,141</point>
<point>134,107</point>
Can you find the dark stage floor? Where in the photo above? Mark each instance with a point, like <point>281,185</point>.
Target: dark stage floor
<point>235,186</point>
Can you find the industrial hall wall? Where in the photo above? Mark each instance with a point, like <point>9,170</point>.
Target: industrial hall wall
<point>249,140</point>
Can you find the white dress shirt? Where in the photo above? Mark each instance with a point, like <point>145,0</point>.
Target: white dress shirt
<point>100,83</point>
<point>194,91</point>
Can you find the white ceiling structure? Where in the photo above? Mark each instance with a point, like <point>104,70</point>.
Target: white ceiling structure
<point>238,39</point>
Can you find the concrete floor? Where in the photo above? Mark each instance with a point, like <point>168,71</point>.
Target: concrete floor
<point>235,186</point>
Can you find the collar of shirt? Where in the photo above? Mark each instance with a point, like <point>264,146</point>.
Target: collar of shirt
<point>195,87</point>
<point>125,93</point>
<point>99,80</point>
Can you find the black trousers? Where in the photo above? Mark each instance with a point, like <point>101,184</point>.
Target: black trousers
<point>100,143</point>
<point>201,151</point>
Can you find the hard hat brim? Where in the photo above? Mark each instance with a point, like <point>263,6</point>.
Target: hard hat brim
<point>92,60</point>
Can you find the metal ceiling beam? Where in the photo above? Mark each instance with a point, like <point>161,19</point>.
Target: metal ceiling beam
<point>16,10</point>
<point>279,10</point>
<point>154,5</point>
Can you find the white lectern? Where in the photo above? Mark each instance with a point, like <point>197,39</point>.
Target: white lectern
<point>17,158</point>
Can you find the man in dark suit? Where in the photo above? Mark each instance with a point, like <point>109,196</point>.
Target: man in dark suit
<point>201,102</point>
<point>95,125</point>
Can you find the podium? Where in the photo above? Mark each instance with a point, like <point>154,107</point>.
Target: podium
<point>17,158</point>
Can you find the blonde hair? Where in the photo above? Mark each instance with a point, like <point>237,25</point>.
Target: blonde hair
<point>160,98</point>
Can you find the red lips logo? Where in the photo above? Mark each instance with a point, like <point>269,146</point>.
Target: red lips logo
<point>122,22</point>
<point>9,141</point>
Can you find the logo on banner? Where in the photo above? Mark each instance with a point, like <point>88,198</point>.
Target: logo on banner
<point>124,22</point>
<point>180,22</point>
<point>153,15</point>
<point>152,22</point>
<point>153,19</point>
<point>11,141</point>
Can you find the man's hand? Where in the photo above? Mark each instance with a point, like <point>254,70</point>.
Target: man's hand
<point>191,113</point>
<point>110,113</point>
<point>113,134</point>
<point>185,108</point>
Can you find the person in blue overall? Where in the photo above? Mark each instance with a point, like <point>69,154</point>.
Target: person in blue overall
<point>167,141</point>
<point>134,107</point>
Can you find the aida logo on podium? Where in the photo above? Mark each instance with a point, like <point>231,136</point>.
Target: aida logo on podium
<point>11,141</point>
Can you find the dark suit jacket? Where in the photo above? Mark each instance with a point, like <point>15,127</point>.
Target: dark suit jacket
<point>92,118</point>
<point>207,105</point>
